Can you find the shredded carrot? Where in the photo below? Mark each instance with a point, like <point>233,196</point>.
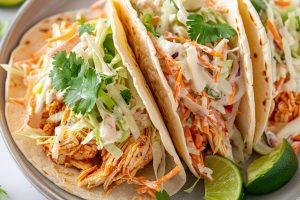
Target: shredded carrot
<point>297,138</point>
<point>224,50</point>
<point>198,141</point>
<point>179,78</point>
<point>185,115</point>
<point>169,175</point>
<point>205,125</point>
<point>196,121</point>
<point>282,3</point>
<point>176,91</point>
<point>40,62</point>
<point>198,46</point>
<point>65,36</point>
<point>231,98</point>
<point>275,34</point>
<point>278,83</point>
<point>66,115</point>
<point>206,64</point>
<point>190,97</point>
<point>155,20</point>
<point>217,75</point>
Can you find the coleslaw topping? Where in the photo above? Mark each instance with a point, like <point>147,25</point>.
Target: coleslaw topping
<point>202,67</point>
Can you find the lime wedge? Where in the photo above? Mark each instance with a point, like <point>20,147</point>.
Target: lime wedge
<point>227,181</point>
<point>10,3</point>
<point>272,171</point>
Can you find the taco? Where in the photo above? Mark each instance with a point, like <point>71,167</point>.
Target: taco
<point>80,110</point>
<point>273,29</point>
<point>196,59</point>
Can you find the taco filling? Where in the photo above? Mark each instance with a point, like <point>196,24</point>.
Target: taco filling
<point>201,63</point>
<point>85,111</point>
<point>282,22</point>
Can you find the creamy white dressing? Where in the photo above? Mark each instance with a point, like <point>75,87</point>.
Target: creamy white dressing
<point>197,74</point>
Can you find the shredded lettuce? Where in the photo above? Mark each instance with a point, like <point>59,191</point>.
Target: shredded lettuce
<point>113,150</point>
<point>59,132</point>
<point>106,100</point>
<point>115,94</point>
<point>88,138</point>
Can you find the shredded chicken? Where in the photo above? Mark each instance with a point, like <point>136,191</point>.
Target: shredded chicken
<point>286,107</point>
<point>113,172</point>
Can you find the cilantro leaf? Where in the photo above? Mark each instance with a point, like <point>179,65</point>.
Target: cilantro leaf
<point>206,32</point>
<point>81,21</point>
<point>147,19</point>
<point>65,68</point>
<point>126,94</point>
<point>259,5</point>
<point>86,28</point>
<point>162,195</point>
<point>83,91</point>
<point>79,82</point>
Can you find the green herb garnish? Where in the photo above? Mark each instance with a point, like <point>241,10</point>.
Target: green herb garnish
<point>206,32</point>
<point>78,81</point>
<point>126,94</point>
<point>147,19</point>
<point>211,92</point>
<point>85,28</point>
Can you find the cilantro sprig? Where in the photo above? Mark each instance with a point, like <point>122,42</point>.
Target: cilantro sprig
<point>207,31</point>
<point>79,82</point>
<point>81,85</point>
<point>85,28</point>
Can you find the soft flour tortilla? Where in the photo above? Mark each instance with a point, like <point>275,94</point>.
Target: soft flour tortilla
<point>58,174</point>
<point>149,64</point>
<point>262,64</point>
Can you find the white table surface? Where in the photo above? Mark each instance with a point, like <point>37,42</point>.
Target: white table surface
<point>11,178</point>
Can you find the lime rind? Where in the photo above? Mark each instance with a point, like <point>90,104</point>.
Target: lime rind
<point>227,183</point>
<point>272,171</point>
<point>10,3</point>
